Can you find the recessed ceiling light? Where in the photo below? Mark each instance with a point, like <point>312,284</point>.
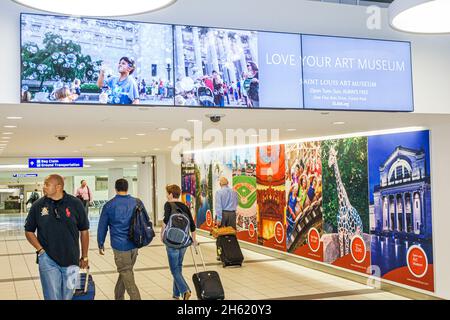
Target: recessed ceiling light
<point>98,160</point>
<point>99,145</point>
<point>291,129</point>
<point>420,16</point>
<point>123,138</point>
<point>5,138</point>
<point>156,149</point>
<point>9,126</point>
<point>14,118</point>
<point>163,129</point>
<point>141,134</point>
<point>4,141</point>
<point>97,8</point>
<point>109,141</point>
<point>338,123</point>
<point>7,133</point>
<point>193,120</point>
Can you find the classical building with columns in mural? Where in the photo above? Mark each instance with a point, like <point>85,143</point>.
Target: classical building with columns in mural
<point>402,200</point>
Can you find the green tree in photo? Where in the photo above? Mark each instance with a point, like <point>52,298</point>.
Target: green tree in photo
<point>59,59</point>
<point>352,162</point>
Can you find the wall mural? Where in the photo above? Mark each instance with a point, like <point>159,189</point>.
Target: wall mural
<point>244,183</point>
<point>271,197</point>
<point>203,195</point>
<point>361,203</point>
<point>304,199</point>
<point>188,182</point>
<point>346,240</point>
<point>400,203</point>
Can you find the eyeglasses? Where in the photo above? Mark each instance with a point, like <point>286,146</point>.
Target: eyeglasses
<point>57,214</point>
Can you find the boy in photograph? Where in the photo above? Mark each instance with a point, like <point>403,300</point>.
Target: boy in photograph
<point>124,89</point>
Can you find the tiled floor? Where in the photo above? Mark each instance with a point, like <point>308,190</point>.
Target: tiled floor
<point>261,277</point>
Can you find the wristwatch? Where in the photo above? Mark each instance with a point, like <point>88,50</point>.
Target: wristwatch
<point>39,251</point>
<point>85,259</point>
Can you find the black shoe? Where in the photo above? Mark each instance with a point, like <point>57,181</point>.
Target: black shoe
<point>218,258</point>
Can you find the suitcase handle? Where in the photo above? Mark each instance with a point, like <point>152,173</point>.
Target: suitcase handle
<point>86,282</point>
<point>201,256</point>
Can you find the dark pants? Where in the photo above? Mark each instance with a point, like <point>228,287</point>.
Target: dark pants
<point>228,220</point>
<point>86,207</point>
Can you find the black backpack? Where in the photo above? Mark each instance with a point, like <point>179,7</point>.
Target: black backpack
<point>141,231</point>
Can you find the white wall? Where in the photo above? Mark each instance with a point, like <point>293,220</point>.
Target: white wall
<point>431,69</point>
<point>440,177</point>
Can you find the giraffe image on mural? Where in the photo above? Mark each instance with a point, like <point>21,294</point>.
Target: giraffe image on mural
<point>349,222</point>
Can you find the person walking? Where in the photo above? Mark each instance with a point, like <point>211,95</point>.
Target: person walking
<point>33,197</point>
<point>225,206</point>
<point>116,215</point>
<point>176,256</point>
<point>60,221</point>
<point>85,195</point>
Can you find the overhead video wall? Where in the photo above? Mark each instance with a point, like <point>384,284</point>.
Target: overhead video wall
<point>361,203</point>
<point>97,61</point>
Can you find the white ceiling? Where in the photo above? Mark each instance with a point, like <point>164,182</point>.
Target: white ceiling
<point>87,126</point>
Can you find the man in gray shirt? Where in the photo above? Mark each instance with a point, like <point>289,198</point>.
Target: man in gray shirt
<point>226,204</point>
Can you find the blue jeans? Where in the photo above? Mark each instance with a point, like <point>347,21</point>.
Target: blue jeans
<point>176,257</point>
<point>58,283</point>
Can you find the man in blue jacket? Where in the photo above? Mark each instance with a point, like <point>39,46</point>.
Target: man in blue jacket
<point>116,214</point>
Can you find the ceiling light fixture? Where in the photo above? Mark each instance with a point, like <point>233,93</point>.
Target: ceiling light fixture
<point>97,8</point>
<point>10,127</point>
<point>337,123</point>
<point>420,16</point>
<point>14,118</point>
<point>7,133</point>
<point>141,134</point>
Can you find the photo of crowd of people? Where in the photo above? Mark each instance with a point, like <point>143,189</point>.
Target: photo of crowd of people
<point>216,67</point>
<point>303,186</point>
<point>95,61</point>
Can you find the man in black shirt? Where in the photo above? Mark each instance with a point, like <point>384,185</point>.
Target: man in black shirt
<point>59,219</point>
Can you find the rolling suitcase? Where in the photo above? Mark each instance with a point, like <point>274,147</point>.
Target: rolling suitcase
<point>85,290</point>
<point>229,251</point>
<point>207,283</point>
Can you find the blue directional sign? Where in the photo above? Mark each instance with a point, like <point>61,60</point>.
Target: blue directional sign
<point>25,175</point>
<point>59,163</point>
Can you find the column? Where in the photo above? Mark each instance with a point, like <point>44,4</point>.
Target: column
<point>113,175</point>
<point>388,216</point>
<point>405,223</point>
<point>229,57</point>
<point>213,52</point>
<point>144,185</point>
<point>179,54</point>
<point>197,52</point>
<point>423,223</point>
<point>161,182</point>
<point>395,213</point>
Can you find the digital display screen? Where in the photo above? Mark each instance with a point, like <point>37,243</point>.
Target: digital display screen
<point>236,68</point>
<point>95,61</point>
<point>356,74</point>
